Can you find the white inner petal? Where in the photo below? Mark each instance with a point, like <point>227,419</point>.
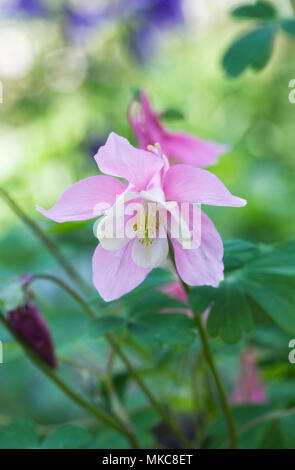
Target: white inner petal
<point>150,256</point>
<point>111,233</point>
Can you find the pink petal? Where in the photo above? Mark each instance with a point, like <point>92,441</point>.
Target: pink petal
<point>185,183</point>
<point>86,199</point>
<point>114,273</point>
<point>179,147</point>
<point>119,158</point>
<point>184,148</point>
<point>146,124</point>
<point>202,266</point>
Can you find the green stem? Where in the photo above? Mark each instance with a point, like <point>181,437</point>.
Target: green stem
<point>74,275</point>
<point>165,416</point>
<point>99,414</point>
<point>68,289</point>
<point>292,2</point>
<point>223,398</point>
<point>116,404</point>
<point>162,412</point>
<point>47,241</point>
<point>210,361</point>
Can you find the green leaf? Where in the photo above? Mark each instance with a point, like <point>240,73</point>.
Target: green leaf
<point>20,434</point>
<point>288,26</point>
<point>109,439</point>
<point>259,10</point>
<point>264,283</point>
<point>154,302</point>
<point>230,315</point>
<point>173,329</point>
<point>67,437</point>
<point>237,252</point>
<point>251,50</point>
<point>101,326</point>
<point>242,415</point>
<point>200,298</point>
<point>287,429</point>
<point>156,278</point>
<point>144,421</point>
<point>171,114</point>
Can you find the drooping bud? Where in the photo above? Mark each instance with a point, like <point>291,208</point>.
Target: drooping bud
<point>28,322</point>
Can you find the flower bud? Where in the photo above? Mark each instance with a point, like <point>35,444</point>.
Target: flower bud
<point>28,322</point>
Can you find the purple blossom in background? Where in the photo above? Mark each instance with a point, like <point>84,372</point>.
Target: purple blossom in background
<point>28,322</point>
<point>29,8</point>
<point>161,12</point>
<point>81,21</point>
<point>148,19</point>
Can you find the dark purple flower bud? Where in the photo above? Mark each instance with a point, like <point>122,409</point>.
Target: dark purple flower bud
<point>28,322</point>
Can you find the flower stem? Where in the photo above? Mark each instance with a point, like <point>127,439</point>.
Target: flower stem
<point>210,361</point>
<point>75,276</point>
<point>98,413</point>
<point>47,241</point>
<point>68,289</point>
<point>222,396</point>
<point>162,412</point>
<point>223,399</point>
<point>292,2</point>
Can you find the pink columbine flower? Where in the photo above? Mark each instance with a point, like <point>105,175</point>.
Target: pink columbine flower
<point>121,263</point>
<point>249,387</point>
<point>179,147</point>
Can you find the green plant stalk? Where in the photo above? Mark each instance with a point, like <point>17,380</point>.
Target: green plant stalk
<point>75,276</point>
<point>210,361</point>
<point>223,398</point>
<point>77,297</point>
<point>47,241</point>
<point>40,364</point>
<point>162,412</point>
<point>88,310</point>
<point>116,404</point>
<point>292,2</point>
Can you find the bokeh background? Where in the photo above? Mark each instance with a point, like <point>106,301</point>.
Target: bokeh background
<point>68,71</point>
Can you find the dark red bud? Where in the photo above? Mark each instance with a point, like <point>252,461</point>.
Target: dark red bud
<point>28,322</point>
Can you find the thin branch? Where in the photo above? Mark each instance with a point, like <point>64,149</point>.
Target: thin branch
<point>98,413</point>
<point>47,242</point>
